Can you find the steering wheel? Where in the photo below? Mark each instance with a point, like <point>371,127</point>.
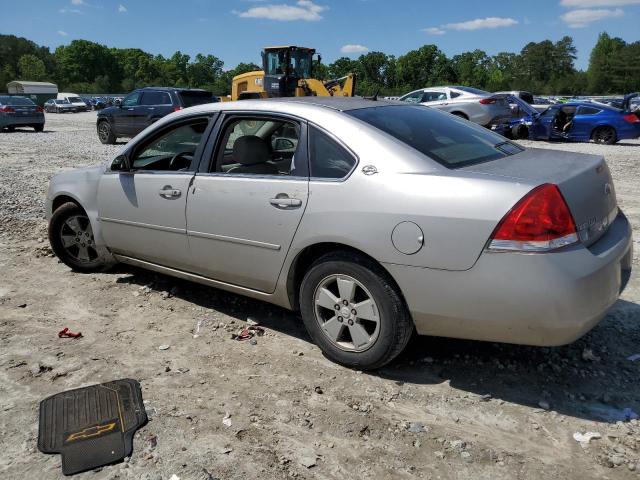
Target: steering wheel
<point>174,160</point>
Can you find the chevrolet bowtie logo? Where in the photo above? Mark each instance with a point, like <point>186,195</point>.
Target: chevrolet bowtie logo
<point>92,432</point>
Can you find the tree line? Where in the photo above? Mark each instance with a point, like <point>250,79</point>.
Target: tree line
<point>544,67</point>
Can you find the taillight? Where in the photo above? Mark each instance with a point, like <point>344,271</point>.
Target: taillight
<point>488,101</point>
<point>632,118</point>
<point>39,109</point>
<point>177,109</point>
<point>6,109</point>
<point>540,222</point>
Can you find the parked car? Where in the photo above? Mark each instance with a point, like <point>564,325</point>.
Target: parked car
<point>521,94</point>
<point>519,126</point>
<point>469,103</point>
<point>585,121</point>
<point>87,101</point>
<point>78,104</point>
<point>20,112</point>
<point>373,218</point>
<point>540,104</point>
<point>58,106</point>
<point>99,103</point>
<point>143,107</point>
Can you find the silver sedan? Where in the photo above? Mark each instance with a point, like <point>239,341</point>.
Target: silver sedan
<point>374,219</point>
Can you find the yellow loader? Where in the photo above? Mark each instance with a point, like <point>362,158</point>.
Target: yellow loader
<point>288,72</point>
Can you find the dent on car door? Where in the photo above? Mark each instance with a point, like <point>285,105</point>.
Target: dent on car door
<point>142,211</point>
<point>248,199</point>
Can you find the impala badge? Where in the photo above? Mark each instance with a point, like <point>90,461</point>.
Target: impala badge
<point>369,170</point>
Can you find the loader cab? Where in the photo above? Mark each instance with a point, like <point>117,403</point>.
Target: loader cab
<point>283,67</point>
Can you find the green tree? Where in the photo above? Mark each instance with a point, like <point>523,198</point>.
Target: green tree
<point>472,68</point>
<point>424,67</point>
<point>602,73</point>
<point>205,71</point>
<point>31,68</point>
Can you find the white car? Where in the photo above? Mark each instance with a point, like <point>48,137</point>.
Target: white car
<point>469,103</point>
<point>75,100</point>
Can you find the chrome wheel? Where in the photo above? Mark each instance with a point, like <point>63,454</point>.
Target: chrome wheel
<point>346,313</point>
<point>77,240</point>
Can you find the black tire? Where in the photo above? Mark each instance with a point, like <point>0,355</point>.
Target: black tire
<point>58,229</point>
<point>105,133</point>
<point>461,115</point>
<point>11,129</point>
<point>39,127</point>
<point>520,132</point>
<point>395,323</point>
<point>604,136</point>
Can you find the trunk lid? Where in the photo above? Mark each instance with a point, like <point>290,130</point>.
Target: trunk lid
<point>584,181</point>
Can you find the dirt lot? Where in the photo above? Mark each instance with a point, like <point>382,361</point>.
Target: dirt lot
<point>446,409</point>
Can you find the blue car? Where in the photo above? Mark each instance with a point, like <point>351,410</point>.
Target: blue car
<point>585,121</point>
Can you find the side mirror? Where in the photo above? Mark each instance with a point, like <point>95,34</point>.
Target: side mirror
<point>121,164</point>
<point>117,102</point>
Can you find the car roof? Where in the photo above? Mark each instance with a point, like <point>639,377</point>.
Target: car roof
<point>171,89</point>
<point>341,104</point>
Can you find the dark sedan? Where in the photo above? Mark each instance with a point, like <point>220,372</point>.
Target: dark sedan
<point>143,107</point>
<point>20,112</point>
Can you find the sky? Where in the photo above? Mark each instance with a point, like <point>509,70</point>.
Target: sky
<point>237,30</point>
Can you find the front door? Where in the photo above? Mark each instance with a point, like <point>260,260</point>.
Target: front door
<point>544,124</point>
<point>245,206</point>
<point>124,114</point>
<point>142,211</point>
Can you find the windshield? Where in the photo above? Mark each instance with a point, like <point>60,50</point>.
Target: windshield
<point>299,63</point>
<point>447,140</point>
<point>75,99</point>
<point>17,101</point>
<point>62,102</point>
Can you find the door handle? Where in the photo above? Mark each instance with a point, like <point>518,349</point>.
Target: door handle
<point>285,202</point>
<point>168,192</point>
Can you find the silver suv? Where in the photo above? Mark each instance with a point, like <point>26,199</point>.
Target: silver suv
<point>469,103</point>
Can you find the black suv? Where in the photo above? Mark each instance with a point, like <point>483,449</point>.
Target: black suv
<point>144,106</point>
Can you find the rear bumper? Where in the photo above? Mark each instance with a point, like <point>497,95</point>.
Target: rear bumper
<point>6,121</point>
<point>531,299</point>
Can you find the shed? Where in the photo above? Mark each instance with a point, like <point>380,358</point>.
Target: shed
<point>39,92</point>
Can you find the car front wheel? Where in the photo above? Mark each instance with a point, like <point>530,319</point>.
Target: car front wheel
<point>353,312</point>
<point>105,133</point>
<point>71,239</point>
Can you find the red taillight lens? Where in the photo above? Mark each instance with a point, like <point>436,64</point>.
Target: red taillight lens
<point>488,101</point>
<point>177,109</point>
<point>39,109</point>
<point>540,222</point>
<point>6,109</point>
<point>632,118</point>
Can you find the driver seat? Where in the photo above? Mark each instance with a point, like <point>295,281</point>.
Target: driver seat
<point>252,153</point>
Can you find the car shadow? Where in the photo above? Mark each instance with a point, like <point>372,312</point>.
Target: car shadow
<point>592,378</point>
<point>29,130</point>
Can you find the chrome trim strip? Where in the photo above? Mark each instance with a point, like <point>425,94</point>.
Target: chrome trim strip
<point>241,241</point>
<point>162,228</point>
<point>192,277</point>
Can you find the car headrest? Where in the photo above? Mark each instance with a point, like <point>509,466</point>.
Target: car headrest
<point>250,150</point>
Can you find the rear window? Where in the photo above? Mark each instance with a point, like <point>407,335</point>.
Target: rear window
<point>447,140</point>
<point>189,99</point>
<point>6,100</point>
<point>156,98</point>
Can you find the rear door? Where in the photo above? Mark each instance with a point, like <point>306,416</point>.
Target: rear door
<point>246,203</point>
<point>584,121</point>
<point>154,105</point>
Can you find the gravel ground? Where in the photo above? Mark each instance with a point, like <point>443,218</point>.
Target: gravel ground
<point>446,409</point>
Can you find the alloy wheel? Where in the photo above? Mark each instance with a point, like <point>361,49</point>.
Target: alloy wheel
<point>604,135</point>
<point>103,131</point>
<point>76,236</point>
<point>347,313</point>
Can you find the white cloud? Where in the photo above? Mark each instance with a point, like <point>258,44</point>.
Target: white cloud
<point>354,48</point>
<point>122,8</point>
<point>583,17</point>
<point>70,10</point>
<point>77,2</point>
<point>480,23</point>
<point>63,33</point>
<point>434,31</point>
<point>302,10</point>
<point>597,3</point>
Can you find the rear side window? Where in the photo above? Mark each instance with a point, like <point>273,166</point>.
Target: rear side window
<point>155,98</point>
<point>588,111</point>
<point>189,99</point>
<point>328,159</point>
<point>445,139</point>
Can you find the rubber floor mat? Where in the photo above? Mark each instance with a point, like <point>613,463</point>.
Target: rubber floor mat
<point>92,426</point>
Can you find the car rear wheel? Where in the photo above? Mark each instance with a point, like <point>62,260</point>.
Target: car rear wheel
<point>105,133</point>
<point>38,128</point>
<point>604,135</point>
<point>71,239</point>
<point>353,312</point>
<point>461,115</point>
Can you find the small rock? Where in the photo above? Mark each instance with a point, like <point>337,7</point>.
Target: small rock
<point>439,454</point>
<point>226,421</point>
<point>466,456</point>
<point>616,460</point>
<point>252,322</point>
<point>22,305</point>
<point>589,356</point>
<point>486,398</point>
<point>308,461</point>
<point>318,390</point>
<point>585,438</point>
<point>253,341</point>
<point>183,370</point>
<point>544,405</point>
<point>416,427</point>
<point>164,347</point>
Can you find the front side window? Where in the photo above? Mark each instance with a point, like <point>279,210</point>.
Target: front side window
<point>257,146</point>
<point>276,63</point>
<point>173,150</point>
<point>443,138</point>
<point>415,97</point>
<point>131,100</point>
<point>328,159</point>
<point>155,98</point>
